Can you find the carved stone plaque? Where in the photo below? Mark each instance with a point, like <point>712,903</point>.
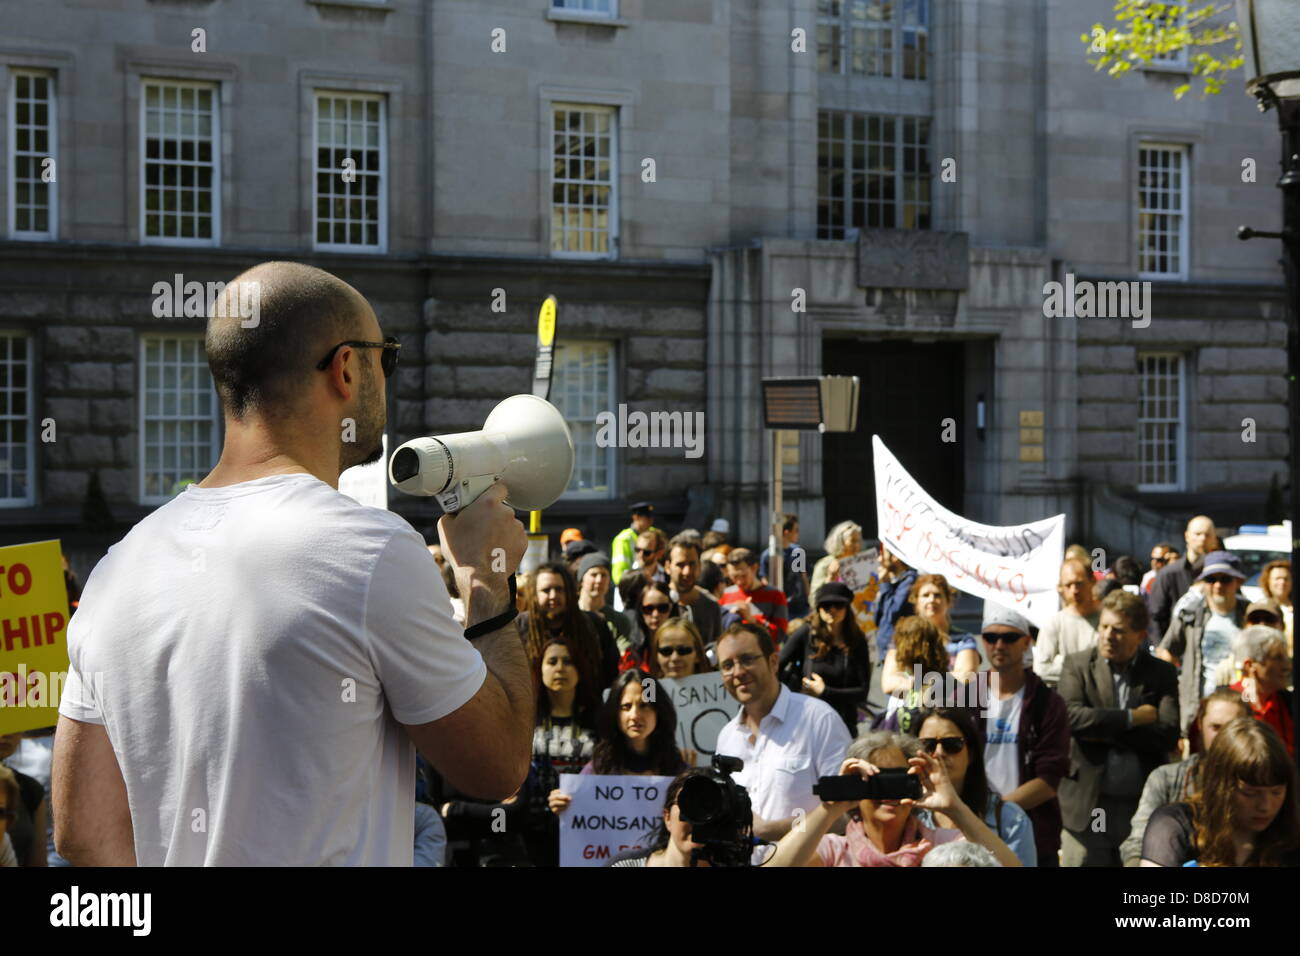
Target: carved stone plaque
<point>913,259</point>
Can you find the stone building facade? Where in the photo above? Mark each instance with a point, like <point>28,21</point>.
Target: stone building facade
<point>673,171</point>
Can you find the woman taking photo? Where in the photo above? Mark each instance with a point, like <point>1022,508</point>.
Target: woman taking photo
<point>889,832</point>
<point>553,610</point>
<point>950,734</point>
<point>636,734</point>
<point>1243,811</point>
<point>677,650</point>
<point>933,598</point>
<point>827,655</point>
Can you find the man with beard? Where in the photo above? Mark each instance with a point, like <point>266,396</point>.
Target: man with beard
<point>1200,637</point>
<point>252,664</point>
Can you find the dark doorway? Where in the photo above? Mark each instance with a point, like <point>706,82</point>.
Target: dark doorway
<point>907,390</point>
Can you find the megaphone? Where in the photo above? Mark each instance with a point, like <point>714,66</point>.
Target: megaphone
<point>524,441</point>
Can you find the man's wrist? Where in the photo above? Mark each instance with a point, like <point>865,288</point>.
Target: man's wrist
<point>487,599</point>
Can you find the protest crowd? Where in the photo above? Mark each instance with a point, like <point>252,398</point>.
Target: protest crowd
<point>1148,723</point>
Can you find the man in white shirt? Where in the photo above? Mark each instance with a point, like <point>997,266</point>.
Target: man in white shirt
<point>252,664</point>
<point>786,740</point>
<point>1071,629</point>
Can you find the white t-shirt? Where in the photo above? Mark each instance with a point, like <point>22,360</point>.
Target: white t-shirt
<point>1002,735</point>
<point>253,651</point>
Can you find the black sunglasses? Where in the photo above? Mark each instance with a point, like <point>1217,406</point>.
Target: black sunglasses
<point>993,638</point>
<point>646,550</point>
<point>682,650</point>
<point>661,608</point>
<point>950,745</point>
<point>387,361</point>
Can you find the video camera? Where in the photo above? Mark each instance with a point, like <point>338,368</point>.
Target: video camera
<point>720,814</point>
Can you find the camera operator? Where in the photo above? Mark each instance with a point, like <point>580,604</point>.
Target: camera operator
<point>265,650</point>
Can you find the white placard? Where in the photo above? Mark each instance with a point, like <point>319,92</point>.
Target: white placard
<point>703,708</point>
<point>608,815</point>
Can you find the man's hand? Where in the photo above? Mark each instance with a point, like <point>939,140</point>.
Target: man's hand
<point>485,542</point>
<point>1146,714</point>
<point>744,609</point>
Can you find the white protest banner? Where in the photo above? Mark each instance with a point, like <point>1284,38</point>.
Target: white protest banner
<point>703,708</point>
<point>608,815</point>
<point>368,484</point>
<point>1016,566</point>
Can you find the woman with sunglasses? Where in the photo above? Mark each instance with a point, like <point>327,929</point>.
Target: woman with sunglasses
<point>950,734</point>
<point>636,734</point>
<point>677,650</point>
<point>827,655</point>
<point>651,605</point>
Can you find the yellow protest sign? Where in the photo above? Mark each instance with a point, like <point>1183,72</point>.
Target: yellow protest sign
<point>33,635</point>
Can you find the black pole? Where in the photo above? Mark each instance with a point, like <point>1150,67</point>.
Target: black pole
<point>1288,113</point>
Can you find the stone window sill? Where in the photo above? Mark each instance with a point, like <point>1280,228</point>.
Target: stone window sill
<point>573,16</point>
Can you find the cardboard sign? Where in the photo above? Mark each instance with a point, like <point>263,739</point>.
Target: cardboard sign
<point>33,636</point>
<point>368,484</point>
<point>861,574</point>
<point>703,708</point>
<point>608,815</point>
<point>1016,566</point>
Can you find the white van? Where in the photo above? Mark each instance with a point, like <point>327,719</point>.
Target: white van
<point>1257,545</point>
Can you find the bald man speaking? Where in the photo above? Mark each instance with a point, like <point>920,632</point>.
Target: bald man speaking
<point>254,664</point>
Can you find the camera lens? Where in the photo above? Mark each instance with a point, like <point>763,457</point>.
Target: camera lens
<point>701,800</point>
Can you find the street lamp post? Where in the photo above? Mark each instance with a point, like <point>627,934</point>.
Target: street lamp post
<point>1270,34</point>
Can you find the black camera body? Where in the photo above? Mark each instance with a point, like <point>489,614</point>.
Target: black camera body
<point>720,814</point>
<point>894,783</point>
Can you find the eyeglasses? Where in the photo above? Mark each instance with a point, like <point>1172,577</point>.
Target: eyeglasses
<point>744,660</point>
<point>1159,560</point>
<point>646,550</point>
<point>1263,617</point>
<point>656,608</point>
<point>993,637</point>
<point>387,361</point>
<point>836,606</point>
<point>681,650</point>
<point>1219,579</point>
<point>950,745</point>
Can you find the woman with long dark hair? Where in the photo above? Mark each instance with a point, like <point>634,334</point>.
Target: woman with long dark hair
<point>827,656</point>
<point>636,733</point>
<point>951,734</point>
<point>1243,811</point>
<point>553,610</point>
